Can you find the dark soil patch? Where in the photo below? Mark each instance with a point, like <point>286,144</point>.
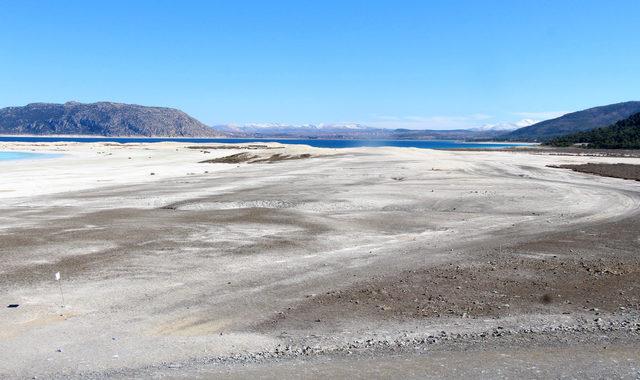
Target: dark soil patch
<point>489,289</point>
<point>596,270</point>
<point>624,171</point>
<point>282,157</point>
<point>255,159</point>
<point>232,159</point>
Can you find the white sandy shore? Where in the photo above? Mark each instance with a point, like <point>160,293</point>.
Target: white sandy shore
<point>185,263</point>
<point>95,165</point>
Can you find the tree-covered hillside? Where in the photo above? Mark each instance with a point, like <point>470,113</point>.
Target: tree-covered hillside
<point>574,122</point>
<point>625,134</point>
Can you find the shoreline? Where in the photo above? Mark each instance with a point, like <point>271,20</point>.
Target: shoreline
<point>265,139</point>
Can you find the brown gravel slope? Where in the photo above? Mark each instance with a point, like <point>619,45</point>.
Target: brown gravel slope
<point>595,269</point>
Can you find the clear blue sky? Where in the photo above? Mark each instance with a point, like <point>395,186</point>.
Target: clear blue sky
<point>418,64</point>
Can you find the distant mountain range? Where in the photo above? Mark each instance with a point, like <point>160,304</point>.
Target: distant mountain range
<point>524,130</point>
<point>574,122</point>
<point>103,119</point>
<point>357,131</point>
<point>117,119</point>
<point>306,130</point>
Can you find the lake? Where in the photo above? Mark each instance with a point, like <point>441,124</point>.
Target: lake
<point>5,156</point>
<point>319,143</point>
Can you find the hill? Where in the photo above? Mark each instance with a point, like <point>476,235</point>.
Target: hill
<point>625,134</point>
<point>574,122</point>
<point>102,118</point>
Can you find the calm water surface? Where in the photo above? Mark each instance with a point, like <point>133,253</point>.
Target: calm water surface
<point>319,143</point>
<point>6,156</point>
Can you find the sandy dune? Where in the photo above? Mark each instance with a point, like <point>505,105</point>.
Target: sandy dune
<point>201,262</point>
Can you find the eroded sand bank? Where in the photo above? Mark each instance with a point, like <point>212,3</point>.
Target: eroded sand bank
<point>170,263</point>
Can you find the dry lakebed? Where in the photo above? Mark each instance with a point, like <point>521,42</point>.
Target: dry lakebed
<point>271,261</point>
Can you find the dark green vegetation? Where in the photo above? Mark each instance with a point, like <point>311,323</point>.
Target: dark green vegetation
<point>574,122</point>
<point>102,119</point>
<point>625,134</point>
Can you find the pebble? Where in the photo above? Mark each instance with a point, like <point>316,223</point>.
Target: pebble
<point>407,342</point>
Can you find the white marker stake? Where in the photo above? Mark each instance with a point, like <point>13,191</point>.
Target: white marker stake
<point>60,286</point>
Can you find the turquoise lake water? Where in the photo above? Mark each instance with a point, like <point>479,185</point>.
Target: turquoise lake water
<point>5,156</point>
<point>319,143</point>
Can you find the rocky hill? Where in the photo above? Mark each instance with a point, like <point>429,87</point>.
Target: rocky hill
<point>580,121</point>
<point>102,119</point>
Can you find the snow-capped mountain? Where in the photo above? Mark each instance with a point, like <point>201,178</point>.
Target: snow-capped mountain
<point>506,126</point>
<point>274,128</point>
